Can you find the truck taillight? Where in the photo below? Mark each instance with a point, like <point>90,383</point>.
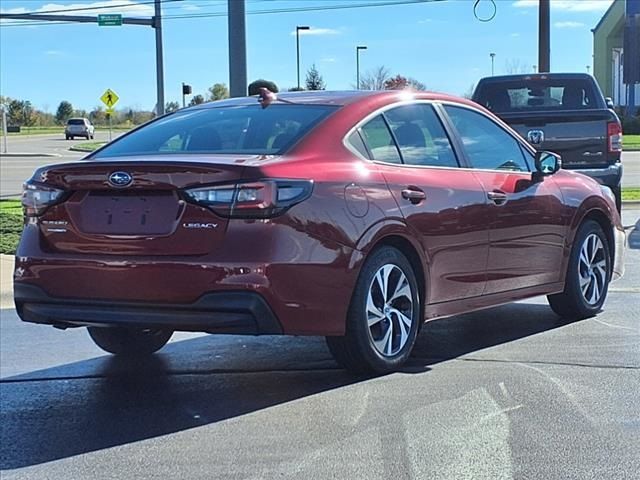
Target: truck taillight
<point>614,134</point>
<point>36,198</point>
<point>260,199</point>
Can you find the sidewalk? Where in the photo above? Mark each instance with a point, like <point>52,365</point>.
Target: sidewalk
<point>6,281</point>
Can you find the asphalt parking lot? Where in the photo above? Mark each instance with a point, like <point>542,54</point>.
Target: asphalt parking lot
<point>509,393</point>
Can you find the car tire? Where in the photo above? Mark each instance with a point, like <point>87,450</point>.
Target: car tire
<point>67,137</point>
<point>588,275</point>
<point>126,341</point>
<point>381,327</point>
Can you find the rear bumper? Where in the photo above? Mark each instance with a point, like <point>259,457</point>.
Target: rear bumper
<point>218,312</point>
<point>611,176</point>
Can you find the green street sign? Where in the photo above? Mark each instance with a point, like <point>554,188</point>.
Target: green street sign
<point>110,20</point>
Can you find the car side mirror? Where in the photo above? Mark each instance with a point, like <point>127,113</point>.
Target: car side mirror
<point>547,163</point>
<point>609,102</point>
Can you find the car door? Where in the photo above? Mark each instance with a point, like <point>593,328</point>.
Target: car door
<point>524,211</point>
<point>439,201</point>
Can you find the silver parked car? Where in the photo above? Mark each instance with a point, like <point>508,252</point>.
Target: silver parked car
<point>79,127</point>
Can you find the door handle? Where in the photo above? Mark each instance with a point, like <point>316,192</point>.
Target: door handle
<point>414,196</point>
<point>497,197</point>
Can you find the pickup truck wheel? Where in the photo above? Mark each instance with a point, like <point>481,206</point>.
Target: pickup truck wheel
<point>588,275</point>
<point>383,317</point>
<point>129,341</point>
<point>617,192</point>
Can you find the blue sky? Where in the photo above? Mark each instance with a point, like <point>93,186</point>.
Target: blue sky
<point>440,44</point>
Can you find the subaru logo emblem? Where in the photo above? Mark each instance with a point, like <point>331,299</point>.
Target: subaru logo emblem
<point>535,137</point>
<point>120,179</point>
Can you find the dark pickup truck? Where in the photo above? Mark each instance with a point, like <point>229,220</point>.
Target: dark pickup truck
<point>565,113</point>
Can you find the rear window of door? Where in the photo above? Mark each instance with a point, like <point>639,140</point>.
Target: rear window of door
<point>420,136</point>
<point>487,145</point>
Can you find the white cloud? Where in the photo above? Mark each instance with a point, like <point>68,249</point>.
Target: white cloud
<point>568,24</point>
<point>515,35</point>
<point>569,5</point>
<point>328,60</point>
<point>54,53</point>
<point>127,7</point>
<point>426,20</point>
<point>190,7</point>
<point>317,31</point>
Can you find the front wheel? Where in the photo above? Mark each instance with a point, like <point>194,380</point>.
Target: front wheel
<point>383,318</point>
<point>588,275</point>
<point>129,341</point>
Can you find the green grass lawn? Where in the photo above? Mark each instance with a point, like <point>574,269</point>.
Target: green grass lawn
<point>87,146</point>
<point>631,193</point>
<point>10,225</point>
<point>631,142</point>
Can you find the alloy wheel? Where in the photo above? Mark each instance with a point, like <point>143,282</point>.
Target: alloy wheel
<point>389,310</point>
<point>592,269</point>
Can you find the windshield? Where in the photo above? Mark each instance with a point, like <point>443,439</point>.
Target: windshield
<point>537,94</point>
<point>75,121</point>
<point>239,129</point>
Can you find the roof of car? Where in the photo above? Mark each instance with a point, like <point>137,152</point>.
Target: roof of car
<point>324,97</point>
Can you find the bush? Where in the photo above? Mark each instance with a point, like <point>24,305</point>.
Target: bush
<point>630,124</point>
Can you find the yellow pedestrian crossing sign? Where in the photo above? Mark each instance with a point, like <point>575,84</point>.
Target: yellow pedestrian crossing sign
<point>109,98</point>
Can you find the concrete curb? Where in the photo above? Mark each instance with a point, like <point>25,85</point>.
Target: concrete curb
<point>630,203</point>
<point>82,150</point>
<point>25,154</point>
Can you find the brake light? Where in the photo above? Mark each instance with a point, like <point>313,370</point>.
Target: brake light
<point>36,198</point>
<point>614,134</point>
<point>261,199</point>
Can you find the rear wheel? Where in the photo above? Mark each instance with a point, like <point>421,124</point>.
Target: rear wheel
<point>383,318</point>
<point>588,275</point>
<point>67,137</point>
<point>129,341</point>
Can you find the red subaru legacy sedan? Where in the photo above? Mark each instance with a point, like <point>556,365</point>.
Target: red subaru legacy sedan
<point>352,215</point>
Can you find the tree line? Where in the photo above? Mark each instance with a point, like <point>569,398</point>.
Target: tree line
<point>22,112</point>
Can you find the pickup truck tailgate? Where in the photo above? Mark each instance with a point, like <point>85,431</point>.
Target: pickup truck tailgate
<point>580,137</point>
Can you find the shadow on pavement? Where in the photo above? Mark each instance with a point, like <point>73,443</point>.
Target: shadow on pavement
<point>106,401</point>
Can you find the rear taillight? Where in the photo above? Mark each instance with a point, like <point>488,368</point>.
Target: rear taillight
<point>614,134</point>
<point>36,198</point>
<point>261,199</point>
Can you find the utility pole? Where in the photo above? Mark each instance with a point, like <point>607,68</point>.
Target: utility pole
<point>493,56</point>
<point>4,125</point>
<point>157,24</point>
<point>237,48</point>
<point>544,37</point>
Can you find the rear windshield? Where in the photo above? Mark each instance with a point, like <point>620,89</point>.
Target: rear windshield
<point>75,121</point>
<point>537,94</point>
<point>239,129</point>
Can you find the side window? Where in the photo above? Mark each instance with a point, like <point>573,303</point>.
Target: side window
<point>355,140</point>
<point>487,145</point>
<point>380,142</point>
<point>420,136</point>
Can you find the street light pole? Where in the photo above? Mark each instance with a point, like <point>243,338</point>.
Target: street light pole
<point>298,28</point>
<point>358,48</point>
<point>493,56</point>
